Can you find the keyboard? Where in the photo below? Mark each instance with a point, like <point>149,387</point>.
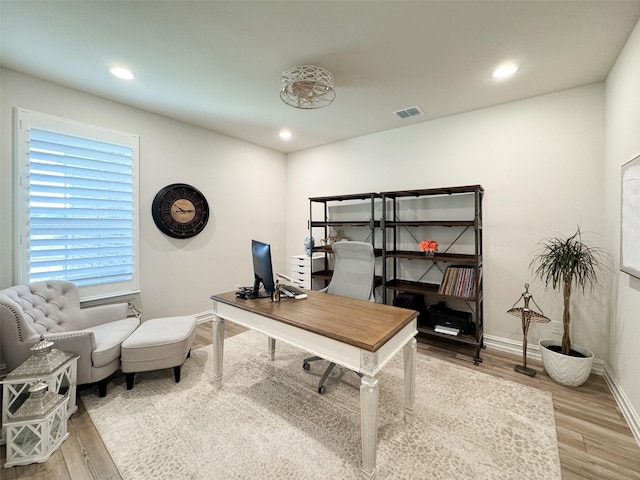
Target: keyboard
<point>291,291</point>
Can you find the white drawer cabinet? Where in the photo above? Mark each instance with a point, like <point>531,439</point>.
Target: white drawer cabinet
<point>302,266</point>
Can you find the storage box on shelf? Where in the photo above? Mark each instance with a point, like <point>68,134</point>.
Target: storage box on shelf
<point>453,216</point>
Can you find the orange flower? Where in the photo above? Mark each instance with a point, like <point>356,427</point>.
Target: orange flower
<point>428,246</point>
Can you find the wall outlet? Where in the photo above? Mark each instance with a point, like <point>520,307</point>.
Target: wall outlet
<point>557,328</point>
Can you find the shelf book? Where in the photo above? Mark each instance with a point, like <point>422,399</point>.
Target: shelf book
<point>459,281</point>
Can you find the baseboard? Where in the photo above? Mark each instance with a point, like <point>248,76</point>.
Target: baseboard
<point>203,317</point>
<point>511,346</point>
<point>628,412</point>
<point>533,351</point>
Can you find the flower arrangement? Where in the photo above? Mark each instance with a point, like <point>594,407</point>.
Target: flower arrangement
<point>428,246</point>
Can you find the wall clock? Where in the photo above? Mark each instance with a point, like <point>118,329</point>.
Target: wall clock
<point>180,210</point>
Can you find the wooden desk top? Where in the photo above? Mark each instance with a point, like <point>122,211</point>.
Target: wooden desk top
<point>363,324</point>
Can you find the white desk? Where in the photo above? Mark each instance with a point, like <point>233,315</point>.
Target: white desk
<point>361,336</point>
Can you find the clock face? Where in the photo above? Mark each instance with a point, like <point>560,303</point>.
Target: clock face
<point>180,210</point>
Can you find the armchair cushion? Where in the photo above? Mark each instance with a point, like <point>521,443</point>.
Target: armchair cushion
<point>109,337</point>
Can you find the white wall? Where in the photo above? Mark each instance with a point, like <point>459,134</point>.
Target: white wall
<point>622,145</point>
<point>178,276</point>
<point>540,161</point>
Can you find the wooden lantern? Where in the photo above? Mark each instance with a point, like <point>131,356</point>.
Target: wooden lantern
<point>37,428</point>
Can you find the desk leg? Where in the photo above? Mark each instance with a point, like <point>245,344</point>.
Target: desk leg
<point>271,348</point>
<point>369,425</point>
<point>218,350</point>
<point>409,380</point>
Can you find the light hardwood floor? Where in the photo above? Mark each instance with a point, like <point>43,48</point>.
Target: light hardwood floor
<point>594,440</point>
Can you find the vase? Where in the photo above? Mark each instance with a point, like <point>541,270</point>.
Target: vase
<point>429,253</point>
<point>571,371</point>
<point>309,243</point>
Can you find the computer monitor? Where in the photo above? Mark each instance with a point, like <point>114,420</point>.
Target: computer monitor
<point>262,269</point>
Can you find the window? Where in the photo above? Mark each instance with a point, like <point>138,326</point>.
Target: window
<point>76,215</point>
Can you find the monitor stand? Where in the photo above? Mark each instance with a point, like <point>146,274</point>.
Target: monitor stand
<point>256,291</point>
<point>260,294</point>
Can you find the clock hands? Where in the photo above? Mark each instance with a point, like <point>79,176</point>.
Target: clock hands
<point>184,211</point>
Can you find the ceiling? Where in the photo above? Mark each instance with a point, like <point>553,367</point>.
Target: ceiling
<point>217,64</point>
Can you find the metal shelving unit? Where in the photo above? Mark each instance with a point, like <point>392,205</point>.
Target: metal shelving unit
<point>396,256</point>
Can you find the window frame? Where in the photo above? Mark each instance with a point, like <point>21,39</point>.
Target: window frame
<point>24,120</point>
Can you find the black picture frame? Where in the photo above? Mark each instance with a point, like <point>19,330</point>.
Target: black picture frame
<point>630,217</point>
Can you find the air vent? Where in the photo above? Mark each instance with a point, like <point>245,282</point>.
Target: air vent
<point>408,112</point>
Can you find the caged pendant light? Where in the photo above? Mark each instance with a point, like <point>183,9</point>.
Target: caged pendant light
<point>307,87</point>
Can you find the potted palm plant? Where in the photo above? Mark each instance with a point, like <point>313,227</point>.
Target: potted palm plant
<point>567,262</point>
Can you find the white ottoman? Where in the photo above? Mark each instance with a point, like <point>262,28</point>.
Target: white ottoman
<point>156,344</point>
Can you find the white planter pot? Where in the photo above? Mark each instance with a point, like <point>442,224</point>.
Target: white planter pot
<point>564,369</point>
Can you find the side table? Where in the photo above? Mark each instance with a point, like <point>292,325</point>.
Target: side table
<point>37,428</point>
<point>60,378</point>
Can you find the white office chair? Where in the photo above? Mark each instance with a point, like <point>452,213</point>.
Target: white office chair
<point>353,276</point>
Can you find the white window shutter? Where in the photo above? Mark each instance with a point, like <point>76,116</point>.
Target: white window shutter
<point>78,194</point>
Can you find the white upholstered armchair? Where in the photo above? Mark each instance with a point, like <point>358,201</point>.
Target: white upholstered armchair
<point>52,309</point>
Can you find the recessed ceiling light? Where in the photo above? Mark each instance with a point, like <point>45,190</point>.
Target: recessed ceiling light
<point>285,134</point>
<point>123,73</point>
<point>504,71</point>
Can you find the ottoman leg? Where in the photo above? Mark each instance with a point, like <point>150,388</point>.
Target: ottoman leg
<point>129,378</point>
<point>102,388</point>
<point>176,373</point>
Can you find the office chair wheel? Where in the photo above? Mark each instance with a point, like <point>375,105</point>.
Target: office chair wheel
<point>305,366</point>
<point>321,390</point>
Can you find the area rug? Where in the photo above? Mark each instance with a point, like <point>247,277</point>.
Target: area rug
<point>268,421</point>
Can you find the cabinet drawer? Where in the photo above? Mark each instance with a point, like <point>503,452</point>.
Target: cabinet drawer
<point>303,269</point>
<point>301,279</point>
<point>302,263</point>
<point>302,259</point>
